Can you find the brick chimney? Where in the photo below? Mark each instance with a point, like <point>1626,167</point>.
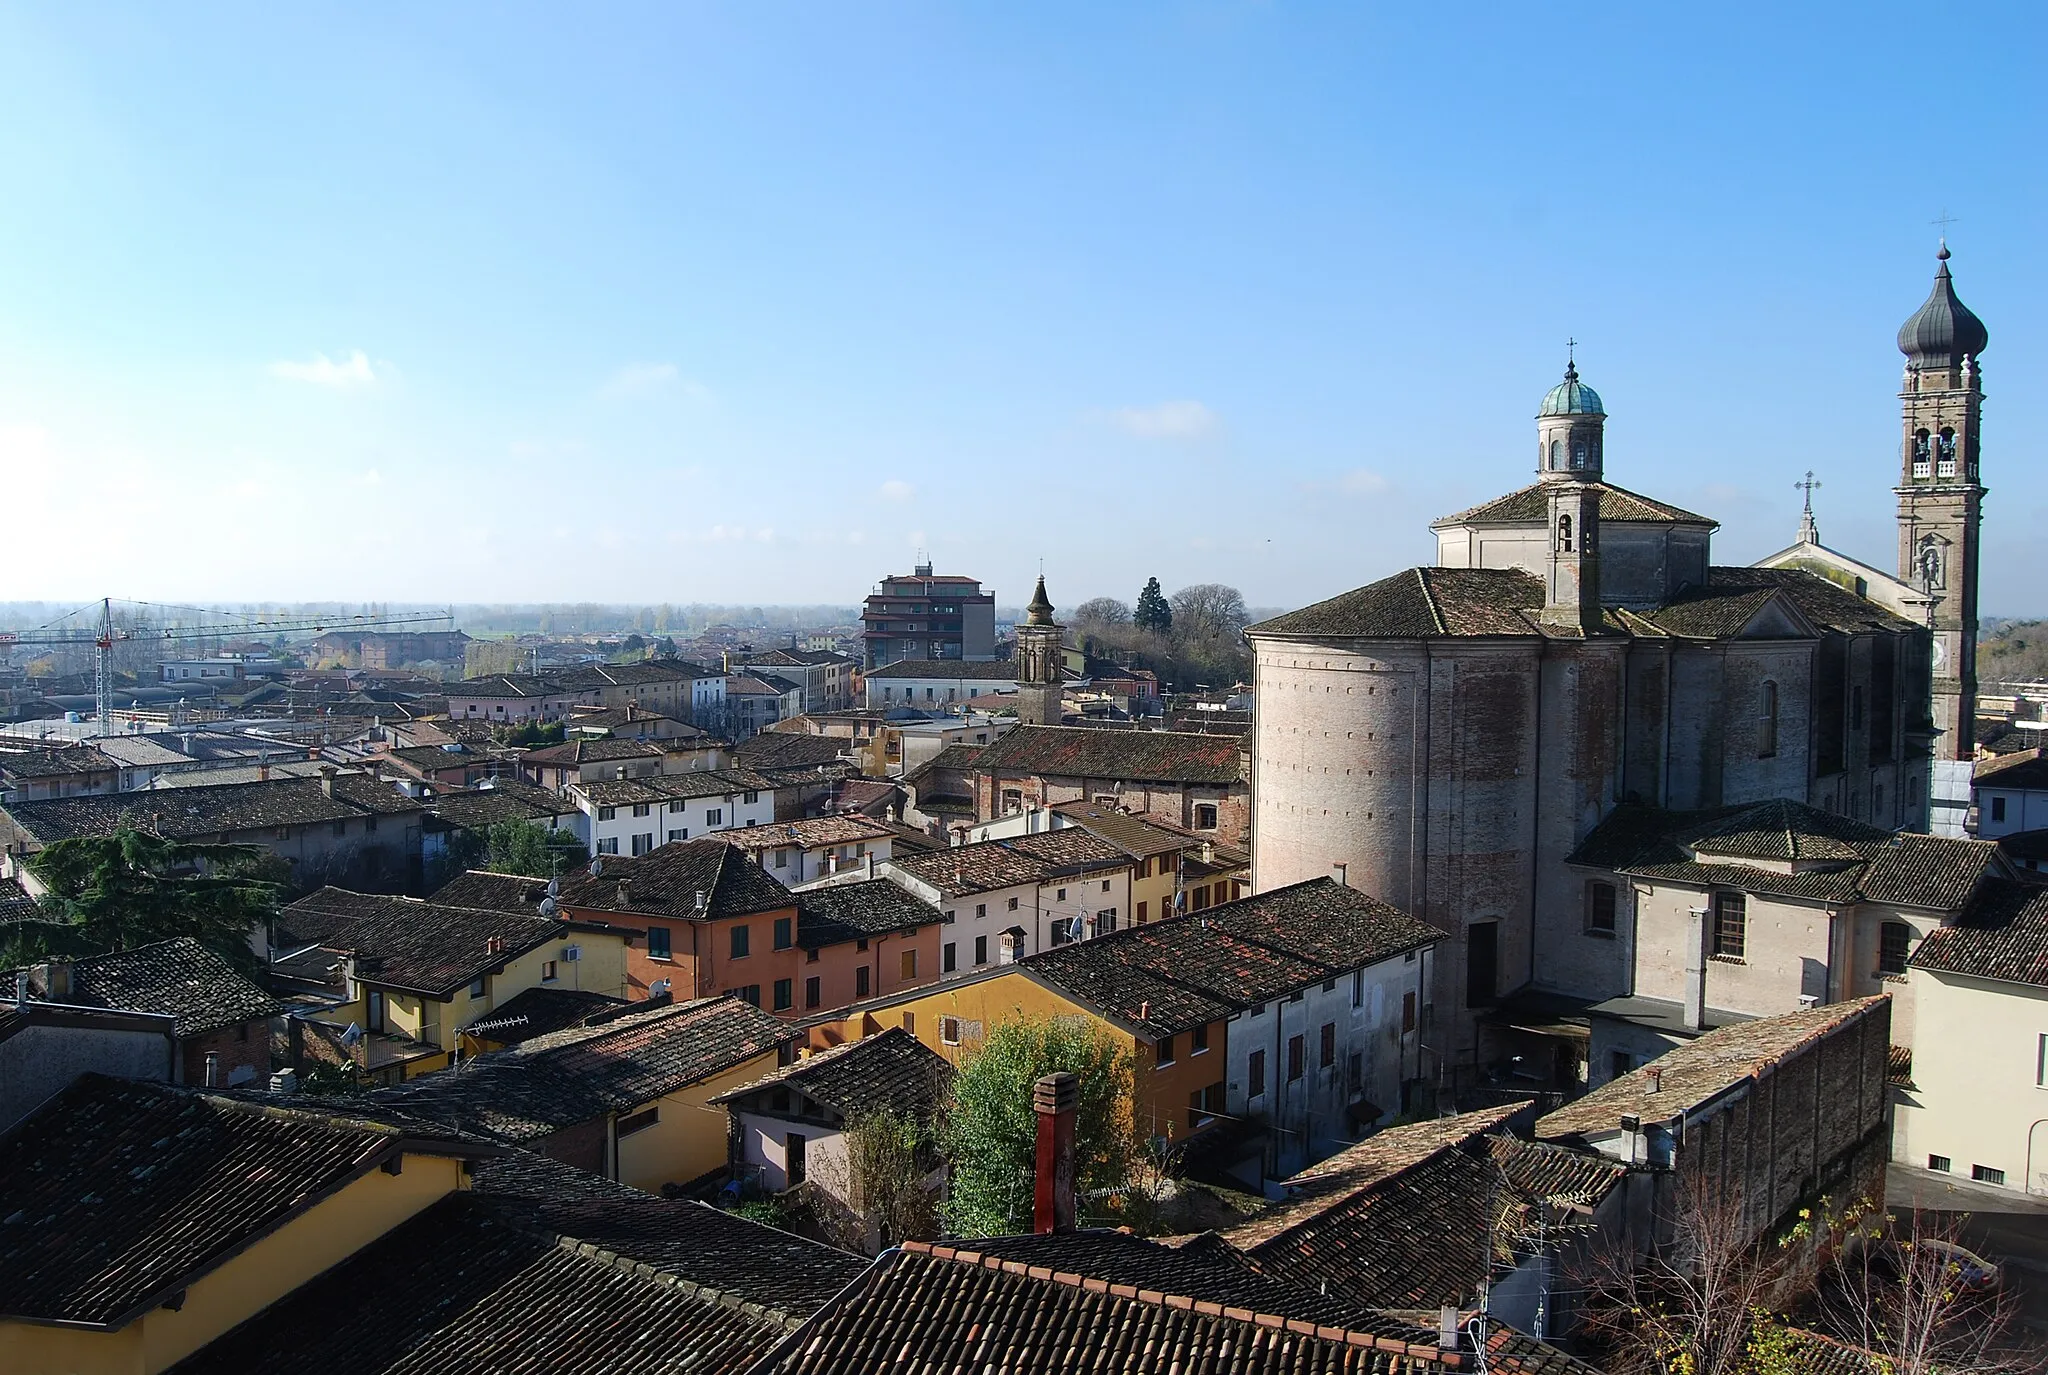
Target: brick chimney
<point>1056,1099</point>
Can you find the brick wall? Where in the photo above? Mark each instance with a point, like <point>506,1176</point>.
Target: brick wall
<point>246,1045</point>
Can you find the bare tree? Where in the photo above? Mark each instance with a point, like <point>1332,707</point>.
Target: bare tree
<point>1903,1288</point>
<point>1686,1305</point>
<point>1208,611</point>
<point>881,1190</point>
<point>1101,611</point>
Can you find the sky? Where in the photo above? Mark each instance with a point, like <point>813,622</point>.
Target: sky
<point>754,302</point>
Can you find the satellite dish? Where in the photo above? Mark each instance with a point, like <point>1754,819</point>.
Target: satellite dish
<point>597,867</point>
<point>547,907</point>
<point>353,1035</point>
<point>555,887</point>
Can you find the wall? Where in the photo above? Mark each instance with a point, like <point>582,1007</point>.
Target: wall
<point>1788,951</point>
<point>244,1051</point>
<point>1977,1096</point>
<point>42,1058</point>
<point>1037,906</point>
<point>690,816</point>
<point>2025,810</point>
<point>826,1161</point>
<point>1172,803</point>
<point>689,1139</point>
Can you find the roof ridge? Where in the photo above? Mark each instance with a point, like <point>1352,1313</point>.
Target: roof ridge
<point>1436,613</point>
<point>962,1255</point>
<point>670,1278</point>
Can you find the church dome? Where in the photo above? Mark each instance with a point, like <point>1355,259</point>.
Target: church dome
<point>1571,397</point>
<point>1944,328</point>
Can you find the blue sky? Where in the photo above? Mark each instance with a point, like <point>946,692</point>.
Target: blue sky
<point>750,302</point>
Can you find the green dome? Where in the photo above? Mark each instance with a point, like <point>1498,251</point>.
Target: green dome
<point>1571,397</point>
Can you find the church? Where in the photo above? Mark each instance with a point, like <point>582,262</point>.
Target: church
<point>1448,739</point>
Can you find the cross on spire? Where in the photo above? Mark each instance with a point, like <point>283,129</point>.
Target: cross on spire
<point>1809,533</point>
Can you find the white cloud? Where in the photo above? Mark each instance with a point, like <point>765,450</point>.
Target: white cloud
<point>1167,420</point>
<point>895,489</point>
<point>373,478</point>
<point>646,379</point>
<point>1363,482</point>
<point>352,371</point>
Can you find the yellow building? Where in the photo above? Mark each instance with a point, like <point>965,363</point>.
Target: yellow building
<point>627,1098</point>
<point>410,974</point>
<point>1175,870</point>
<point>144,1220</point>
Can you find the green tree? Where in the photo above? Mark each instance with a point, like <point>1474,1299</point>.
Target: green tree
<point>527,847</point>
<point>991,1132</point>
<point>1152,612</point>
<point>130,888</point>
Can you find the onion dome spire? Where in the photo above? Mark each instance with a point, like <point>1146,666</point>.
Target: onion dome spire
<point>1041,606</point>
<point>1944,330</point>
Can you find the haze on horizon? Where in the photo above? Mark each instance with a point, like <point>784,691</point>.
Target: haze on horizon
<point>724,304</point>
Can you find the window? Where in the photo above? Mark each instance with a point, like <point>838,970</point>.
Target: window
<point>715,817</point>
<point>657,943</point>
<point>643,842</point>
<point>751,993</point>
<point>638,1121</point>
<point>1358,988</point>
<point>1297,1057</point>
<point>981,909</point>
<point>782,859</point>
<point>861,981</point>
<point>641,809</point>
<point>676,804</point>
<point>1327,1051</point>
<point>547,971</point>
<point>981,949</point>
<point>607,813</point>
<point>741,939</point>
<point>1998,809</point>
<point>1599,908</point>
<point>1731,925</point>
<point>341,828</point>
<point>948,958</point>
<point>949,1031</point>
<point>785,994</point>
<point>1163,1051</point>
<point>1408,1012</point>
<point>909,965</point>
<point>674,836</point>
<point>1061,896</point>
<point>1892,942</point>
<point>861,944</point>
<point>1258,1010</point>
<point>2041,1062</point>
<point>1255,1074</point>
<point>1564,534</point>
<point>813,991</point>
<point>751,798</point>
<point>793,1158</point>
<point>1767,720</point>
<point>1855,708</point>
<point>1938,1162</point>
<point>1329,985</point>
<point>1201,1039</point>
<point>1205,816</point>
<point>1141,912</point>
<point>476,989</point>
<point>1013,904</point>
<point>1620,1065</point>
<point>1105,885</point>
<point>1984,1174</point>
<point>784,936</point>
<point>608,847</point>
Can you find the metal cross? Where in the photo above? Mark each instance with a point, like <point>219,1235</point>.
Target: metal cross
<point>1808,486</point>
<point>1944,220</point>
<point>1571,347</point>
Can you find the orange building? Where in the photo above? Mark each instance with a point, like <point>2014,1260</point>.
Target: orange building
<point>703,919</point>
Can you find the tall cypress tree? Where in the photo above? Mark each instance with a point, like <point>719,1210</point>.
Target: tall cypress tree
<point>1152,612</point>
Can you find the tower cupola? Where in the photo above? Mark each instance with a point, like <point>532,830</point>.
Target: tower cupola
<point>1569,429</point>
<point>1944,331</point>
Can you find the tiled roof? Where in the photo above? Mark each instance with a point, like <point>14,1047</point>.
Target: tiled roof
<point>1531,506</point>
<point>1422,603</point>
<point>1865,863</point>
<point>571,1076</point>
<point>2024,769</point>
<point>1700,1069</point>
<point>176,978</point>
<point>1826,604</point>
<point>759,685</point>
<point>841,912</point>
<point>492,892</point>
<point>666,882</point>
<point>808,833</point>
<point>593,750</point>
<point>666,787</point>
<point>19,761</point>
<point>788,749</point>
<point>1075,752</point>
<point>196,812</point>
<point>611,718</point>
<point>539,1011</point>
<point>951,759</point>
<point>992,671</point>
<point>922,1308</point>
<point>991,864</point>
<point>507,799</point>
<point>1170,976</point>
<point>503,685</point>
<point>116,1193</point>
<point>892,1070</point>
<point>481,1284</point>
<point>2031,845</point>
<point>2003,935</point>
<point>405,943</point>
<point>1136,836</point>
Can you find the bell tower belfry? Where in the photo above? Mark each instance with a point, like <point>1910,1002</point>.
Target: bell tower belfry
<point>1569,430</point>
<point>1041,667</point>
<point>1941,496</point>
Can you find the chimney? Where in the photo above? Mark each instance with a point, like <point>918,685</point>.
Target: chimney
<point>327,772</point>
<point>213,1069</point>
<point>55,977</point>
<point>1696,971</point>
<point>1056,1099</point>
<point>1343,871</point>
<point>1447,1328</point>
<point>21,989</point>
<point>868,865</point>
<point>1655,1074</point>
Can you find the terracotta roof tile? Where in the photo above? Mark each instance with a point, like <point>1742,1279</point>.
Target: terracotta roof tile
<point>2003,935</point>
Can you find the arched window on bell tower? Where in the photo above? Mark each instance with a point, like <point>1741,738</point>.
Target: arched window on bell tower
<point>1564,534</point>
<point>1556,454</point>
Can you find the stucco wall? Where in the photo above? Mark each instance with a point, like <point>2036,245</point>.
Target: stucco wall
<point>1977,1096</point>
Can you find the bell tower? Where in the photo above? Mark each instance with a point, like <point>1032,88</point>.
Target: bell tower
<point>1941,497</point>
<point>1569,430</point>
<point>1041,668</point>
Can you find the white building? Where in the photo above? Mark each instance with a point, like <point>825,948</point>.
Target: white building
<point>2010,794</point>
<point>631,816</point>
<point>822,847</point>
<point>937,682</point>
<point>1006,899</point>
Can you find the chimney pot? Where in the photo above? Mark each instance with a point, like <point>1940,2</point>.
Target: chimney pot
<point>1656,1075</point>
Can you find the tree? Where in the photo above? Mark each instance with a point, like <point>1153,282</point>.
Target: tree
<point>885,1175</point>
<point>130,888</point>
<point>529,848</point>
<point>1099,612</point>
<point>1153,612</point>
<point>1209,611</point>
<point>990,1130</point>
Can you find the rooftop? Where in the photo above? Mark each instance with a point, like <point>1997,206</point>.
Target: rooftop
<point>117,1194</point>
<point>2003,936</point>
<point>665,787</point>
<point>1698,1071</point>
<point>993,864</point>
<point>808,834</point>
<point>669,880</point>
<point>193,813</point>
<point>779,749</point>
<point>841,912</point>
<point>492,892</point>
<point>539,1011</point>
<point>1150,756</point>
<point>1531,506</point>
<point>892,1070</point>
<point>2023,769</point>
<point>507,799</point>
<point>406,943</point>
<point>22,761</point>
<point>177,978</point>
<point>565,1077</point>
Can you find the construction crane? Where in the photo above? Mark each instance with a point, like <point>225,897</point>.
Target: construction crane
<point>104,634</point>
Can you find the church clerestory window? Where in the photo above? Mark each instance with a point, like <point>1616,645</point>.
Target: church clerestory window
<point>1767,720</point>
<point>1557,453</point>
<point>1579,454</point>
<point>1564,534</point>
